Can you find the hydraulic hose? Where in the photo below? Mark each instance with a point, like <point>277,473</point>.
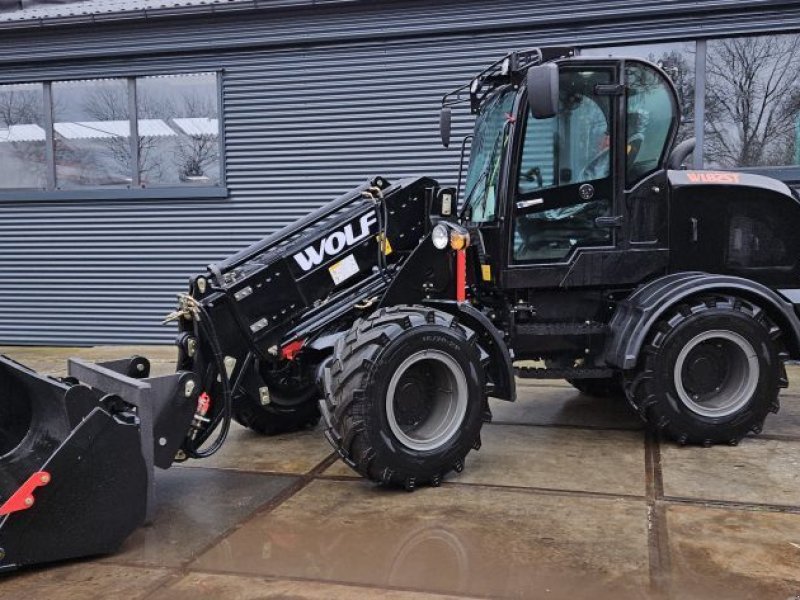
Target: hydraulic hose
<point>381,213</point>
<point>223,417</point>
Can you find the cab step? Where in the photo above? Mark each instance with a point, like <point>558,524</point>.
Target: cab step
<point>563,373</point>
<point>591,328</point>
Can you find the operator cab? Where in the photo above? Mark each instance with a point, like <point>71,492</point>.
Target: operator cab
<point>567,168</point>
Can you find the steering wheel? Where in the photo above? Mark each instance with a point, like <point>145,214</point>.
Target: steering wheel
<point>589,172</point>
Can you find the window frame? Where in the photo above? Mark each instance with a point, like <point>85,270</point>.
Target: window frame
<point>135,192</point>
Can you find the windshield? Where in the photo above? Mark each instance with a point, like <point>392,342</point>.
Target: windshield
<point>488,142</point>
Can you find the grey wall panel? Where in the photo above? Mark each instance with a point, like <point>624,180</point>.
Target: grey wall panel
<point>186,31</point>
<point>303,124</point>
<point>302,127</point>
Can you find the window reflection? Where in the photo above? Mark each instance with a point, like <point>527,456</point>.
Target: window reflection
<point>92,131</point>
<point>177,144</point>
<point>753,101</point>
<point>22,137</point>
<point>186,105</point>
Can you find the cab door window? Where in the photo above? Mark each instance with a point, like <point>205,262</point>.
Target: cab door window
<point>564,176</point>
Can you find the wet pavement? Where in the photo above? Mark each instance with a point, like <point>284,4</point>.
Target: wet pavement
<point>568,498</point>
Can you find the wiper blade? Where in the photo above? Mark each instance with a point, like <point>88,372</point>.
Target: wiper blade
<point>482,178</point>
<point>490,168</point>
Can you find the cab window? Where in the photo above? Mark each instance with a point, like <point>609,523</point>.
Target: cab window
<point>488,146</point>
<point>572,147</point>
<point>650,121</point>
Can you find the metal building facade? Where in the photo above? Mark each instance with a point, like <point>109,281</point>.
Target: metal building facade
<point>316,96</point>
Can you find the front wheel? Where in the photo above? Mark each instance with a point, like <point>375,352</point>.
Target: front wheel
<point>710,372</point>
<point>405,397</point>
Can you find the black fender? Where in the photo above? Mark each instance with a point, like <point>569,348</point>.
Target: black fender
<point>491,339</point>
<point>636,315</point>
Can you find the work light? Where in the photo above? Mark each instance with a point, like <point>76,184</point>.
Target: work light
<point>440,236</point>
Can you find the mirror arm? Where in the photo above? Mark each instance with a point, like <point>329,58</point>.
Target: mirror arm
<point>445,125</point>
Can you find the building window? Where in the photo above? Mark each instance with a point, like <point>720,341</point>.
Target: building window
<point>105,134</point>
<point>186,152</point>
<point>752,101</point>
<point>22,137</point>
<point>92,128</point>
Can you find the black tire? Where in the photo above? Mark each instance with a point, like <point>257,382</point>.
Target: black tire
<point>710,372</point>
<point>609,387</point>
<point>378,355</point>
<point>292,407</point>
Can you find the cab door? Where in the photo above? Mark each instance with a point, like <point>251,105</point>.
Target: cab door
<point>564,219</point>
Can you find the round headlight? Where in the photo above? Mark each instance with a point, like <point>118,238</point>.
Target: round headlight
<point>440,236</point>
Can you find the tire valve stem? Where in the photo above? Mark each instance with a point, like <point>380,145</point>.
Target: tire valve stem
<point>200,420</point>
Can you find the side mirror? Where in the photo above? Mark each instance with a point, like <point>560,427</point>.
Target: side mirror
<point>543,90</point>
<point>445,120</point>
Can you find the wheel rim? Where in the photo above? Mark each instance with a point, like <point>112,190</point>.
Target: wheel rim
<point>289,387</point>
<point>426,400</point>
<point>716,373</point>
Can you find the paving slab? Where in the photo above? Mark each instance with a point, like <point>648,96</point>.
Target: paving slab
<point>793,373</point>
<point>202,586</point>
<point>758,471</point>
<point>246,450</point>
<point>193,508</point>
<point>563,458</point>
<point>733,554</point>
<point>564,405</point>
<point>610,462</point>
<point>53,360</point>
<point>340,469</point>
<point>453,540</point>
<point>787,420</point>
<point>84,580</point>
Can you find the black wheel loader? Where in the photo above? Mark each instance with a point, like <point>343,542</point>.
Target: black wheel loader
<point>580,249</point>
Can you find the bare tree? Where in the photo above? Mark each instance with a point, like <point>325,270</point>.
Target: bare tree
<point>680,68</point>
<point>20,107</point>
<point>24,107</point>
<point>752,100</point>
<point>195,154</point>
<point>111,104</point>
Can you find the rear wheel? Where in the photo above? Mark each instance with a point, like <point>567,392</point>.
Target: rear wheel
<point>289,403</point>
<point>405,396</point>
<point>710,372</point>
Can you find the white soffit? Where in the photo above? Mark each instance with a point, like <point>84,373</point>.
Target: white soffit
<point>86,130</point>
<point>197,126</point>
<point>22,133</point>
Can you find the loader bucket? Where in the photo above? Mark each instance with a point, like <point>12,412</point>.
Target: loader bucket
<point>73,481</point>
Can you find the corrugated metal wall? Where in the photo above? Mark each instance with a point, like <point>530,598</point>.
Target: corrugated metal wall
<point>303,123</point>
